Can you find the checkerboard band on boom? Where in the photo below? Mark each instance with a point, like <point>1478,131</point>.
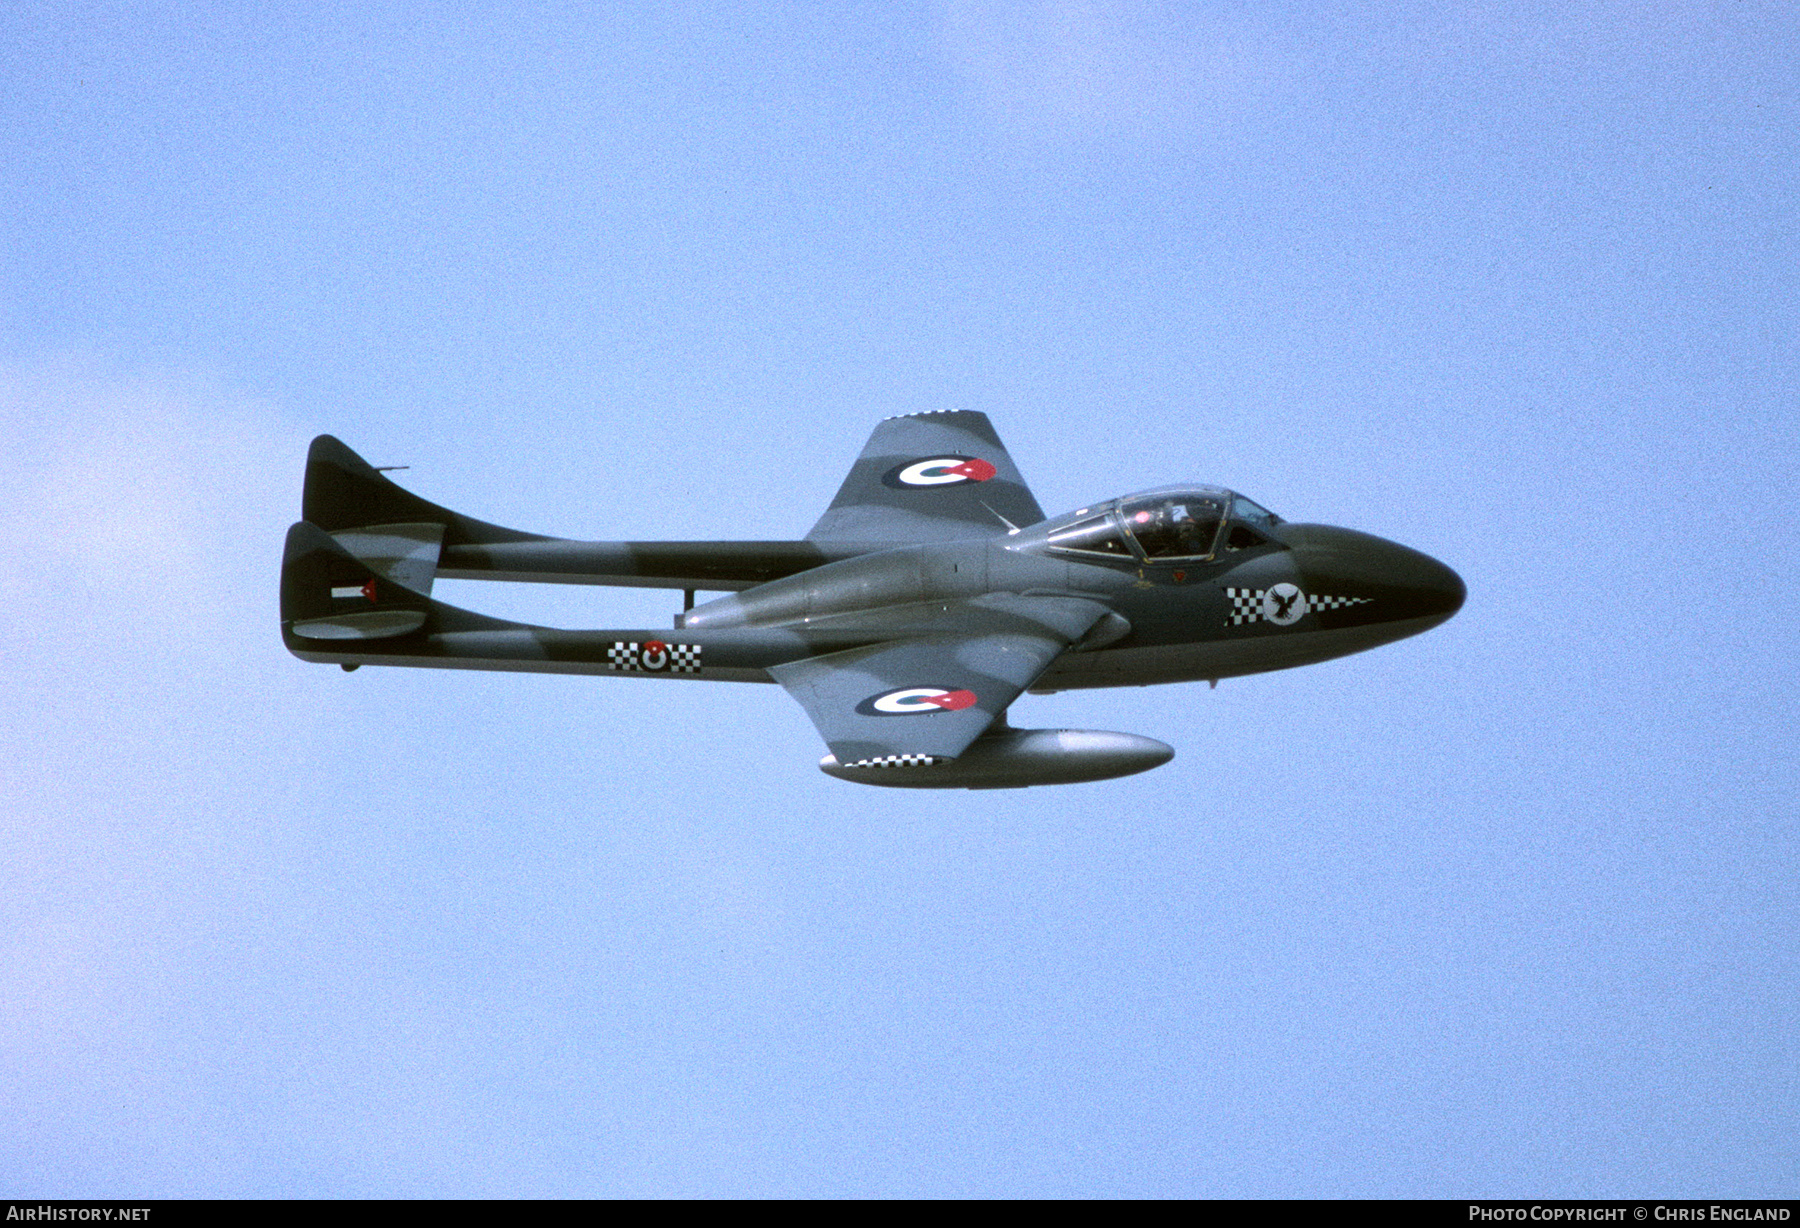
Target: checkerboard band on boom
<point>629,656</point>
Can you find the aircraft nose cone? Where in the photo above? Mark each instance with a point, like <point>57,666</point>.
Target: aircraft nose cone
<point>1403,583</point>
<point>1440,586</point>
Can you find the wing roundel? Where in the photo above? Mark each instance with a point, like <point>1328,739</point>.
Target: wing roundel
<point>925,698</point>
<point>933,477</point>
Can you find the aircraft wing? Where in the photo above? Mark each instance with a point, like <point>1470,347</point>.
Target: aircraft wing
<point>929,478</point>
<point>921,699</point>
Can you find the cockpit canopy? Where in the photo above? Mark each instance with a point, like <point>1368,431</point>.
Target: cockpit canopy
<point>1186,523</point>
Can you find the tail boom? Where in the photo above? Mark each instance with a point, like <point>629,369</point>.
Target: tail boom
<point>338,608</point>
<point>379,521</point>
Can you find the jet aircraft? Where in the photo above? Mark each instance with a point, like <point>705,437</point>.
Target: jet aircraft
<point>928,597</point>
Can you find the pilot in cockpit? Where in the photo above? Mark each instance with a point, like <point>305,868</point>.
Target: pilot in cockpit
<point>1177,527</point>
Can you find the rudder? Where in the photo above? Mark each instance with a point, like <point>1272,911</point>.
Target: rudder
<point>343,491</point>
<point>327,593</point>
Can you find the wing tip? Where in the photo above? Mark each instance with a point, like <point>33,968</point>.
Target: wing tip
<point>927,413</point>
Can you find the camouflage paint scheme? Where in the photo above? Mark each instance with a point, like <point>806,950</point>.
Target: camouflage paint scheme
<point>929,596</point>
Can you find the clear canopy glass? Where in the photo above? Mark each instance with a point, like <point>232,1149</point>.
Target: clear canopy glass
<point>1169,524</point>
<point>1176,522</point>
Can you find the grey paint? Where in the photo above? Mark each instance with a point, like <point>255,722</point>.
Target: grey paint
<point>916,611</point>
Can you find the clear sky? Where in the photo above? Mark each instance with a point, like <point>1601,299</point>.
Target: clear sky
<point>1507,909</point>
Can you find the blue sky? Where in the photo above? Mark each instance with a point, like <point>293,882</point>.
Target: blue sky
<point>1507,909</point>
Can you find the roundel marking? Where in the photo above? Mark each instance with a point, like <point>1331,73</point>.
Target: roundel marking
<point>916,701</point>
<point>941,471</point>
<point>655,655</point>
<point>1284,605</point>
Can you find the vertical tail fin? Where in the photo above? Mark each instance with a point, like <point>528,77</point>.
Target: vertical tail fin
<point>327,593</point>
<point>344,491</point>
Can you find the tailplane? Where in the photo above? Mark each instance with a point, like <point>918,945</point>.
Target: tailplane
<point>328,593</point>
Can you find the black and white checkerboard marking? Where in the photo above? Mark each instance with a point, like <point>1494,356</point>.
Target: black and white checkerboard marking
<point>1247,604</point>
<point>653,657</point>
<point>1335,603</point>
<point>909,760</point>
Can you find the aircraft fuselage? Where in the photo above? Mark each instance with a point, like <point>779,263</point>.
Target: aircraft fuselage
<point>927,598</point>
<point>1308,593</point>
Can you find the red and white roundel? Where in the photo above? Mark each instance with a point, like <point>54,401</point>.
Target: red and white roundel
<point>655,655</point>
<point>919,700</point>
<point>944,471</point>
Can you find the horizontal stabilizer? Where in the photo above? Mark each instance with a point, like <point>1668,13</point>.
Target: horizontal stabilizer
<point>327,593</point>
<point>407,554</point>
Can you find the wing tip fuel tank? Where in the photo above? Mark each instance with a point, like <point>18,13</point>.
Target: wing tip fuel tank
<point>1015,759</point>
